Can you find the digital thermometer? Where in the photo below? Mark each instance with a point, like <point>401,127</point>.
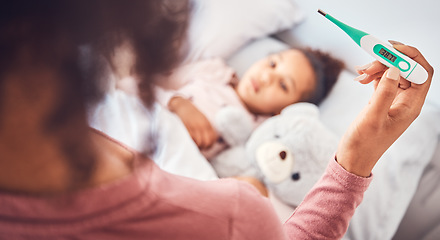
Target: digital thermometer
<point>383,52</point>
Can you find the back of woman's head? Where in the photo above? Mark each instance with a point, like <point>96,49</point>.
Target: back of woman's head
<point>47,34</point>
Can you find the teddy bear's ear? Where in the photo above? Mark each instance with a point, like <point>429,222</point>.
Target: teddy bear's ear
<point>302,108</point>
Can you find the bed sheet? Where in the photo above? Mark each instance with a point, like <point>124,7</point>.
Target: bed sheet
<point>155,132</point>
<point>422,219</point>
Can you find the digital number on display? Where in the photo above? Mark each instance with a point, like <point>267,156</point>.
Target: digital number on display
<point>387,55</point>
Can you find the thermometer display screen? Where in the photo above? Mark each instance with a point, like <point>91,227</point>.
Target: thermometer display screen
<point>387,55</point>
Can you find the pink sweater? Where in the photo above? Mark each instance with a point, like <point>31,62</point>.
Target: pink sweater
<point>153,204</point>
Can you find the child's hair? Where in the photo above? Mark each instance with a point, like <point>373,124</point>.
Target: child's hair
<point>327,70</point>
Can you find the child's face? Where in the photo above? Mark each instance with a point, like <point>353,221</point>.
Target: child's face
<point>276,82</point>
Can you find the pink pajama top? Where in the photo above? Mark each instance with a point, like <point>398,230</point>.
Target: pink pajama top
<point>153,204</point>
<point>208,84</point>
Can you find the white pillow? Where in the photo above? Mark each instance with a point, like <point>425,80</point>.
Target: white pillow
<point>218,28</point>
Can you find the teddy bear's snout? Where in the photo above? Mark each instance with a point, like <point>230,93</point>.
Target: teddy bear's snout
<point>275,161</point>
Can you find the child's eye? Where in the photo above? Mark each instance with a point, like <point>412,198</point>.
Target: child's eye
<point>272,64</point>
<point>283,86</point>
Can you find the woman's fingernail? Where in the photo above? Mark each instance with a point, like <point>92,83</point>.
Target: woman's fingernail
<point>364,67</point>
<point>393,73</point>
<point>360,77</point>
<point>395,42</point>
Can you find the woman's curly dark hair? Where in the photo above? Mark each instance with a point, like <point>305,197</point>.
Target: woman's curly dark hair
<point>49,33</point>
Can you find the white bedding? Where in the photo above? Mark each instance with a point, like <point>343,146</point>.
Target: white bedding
<point>156,132</point>
<point>397,174</point>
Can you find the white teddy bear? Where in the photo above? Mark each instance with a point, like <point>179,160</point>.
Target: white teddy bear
<point>288,152</point>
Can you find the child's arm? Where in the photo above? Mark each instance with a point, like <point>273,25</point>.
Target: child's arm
<point>185,82</point>
<point>200,129</point>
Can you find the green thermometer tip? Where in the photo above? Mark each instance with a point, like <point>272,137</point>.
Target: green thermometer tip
<point>354,33</point>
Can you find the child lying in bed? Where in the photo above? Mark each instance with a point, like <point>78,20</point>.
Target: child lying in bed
<point>197,91</point>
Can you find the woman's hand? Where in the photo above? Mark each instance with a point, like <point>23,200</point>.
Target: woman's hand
<point>198,126</point>
<point>395,104</point>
